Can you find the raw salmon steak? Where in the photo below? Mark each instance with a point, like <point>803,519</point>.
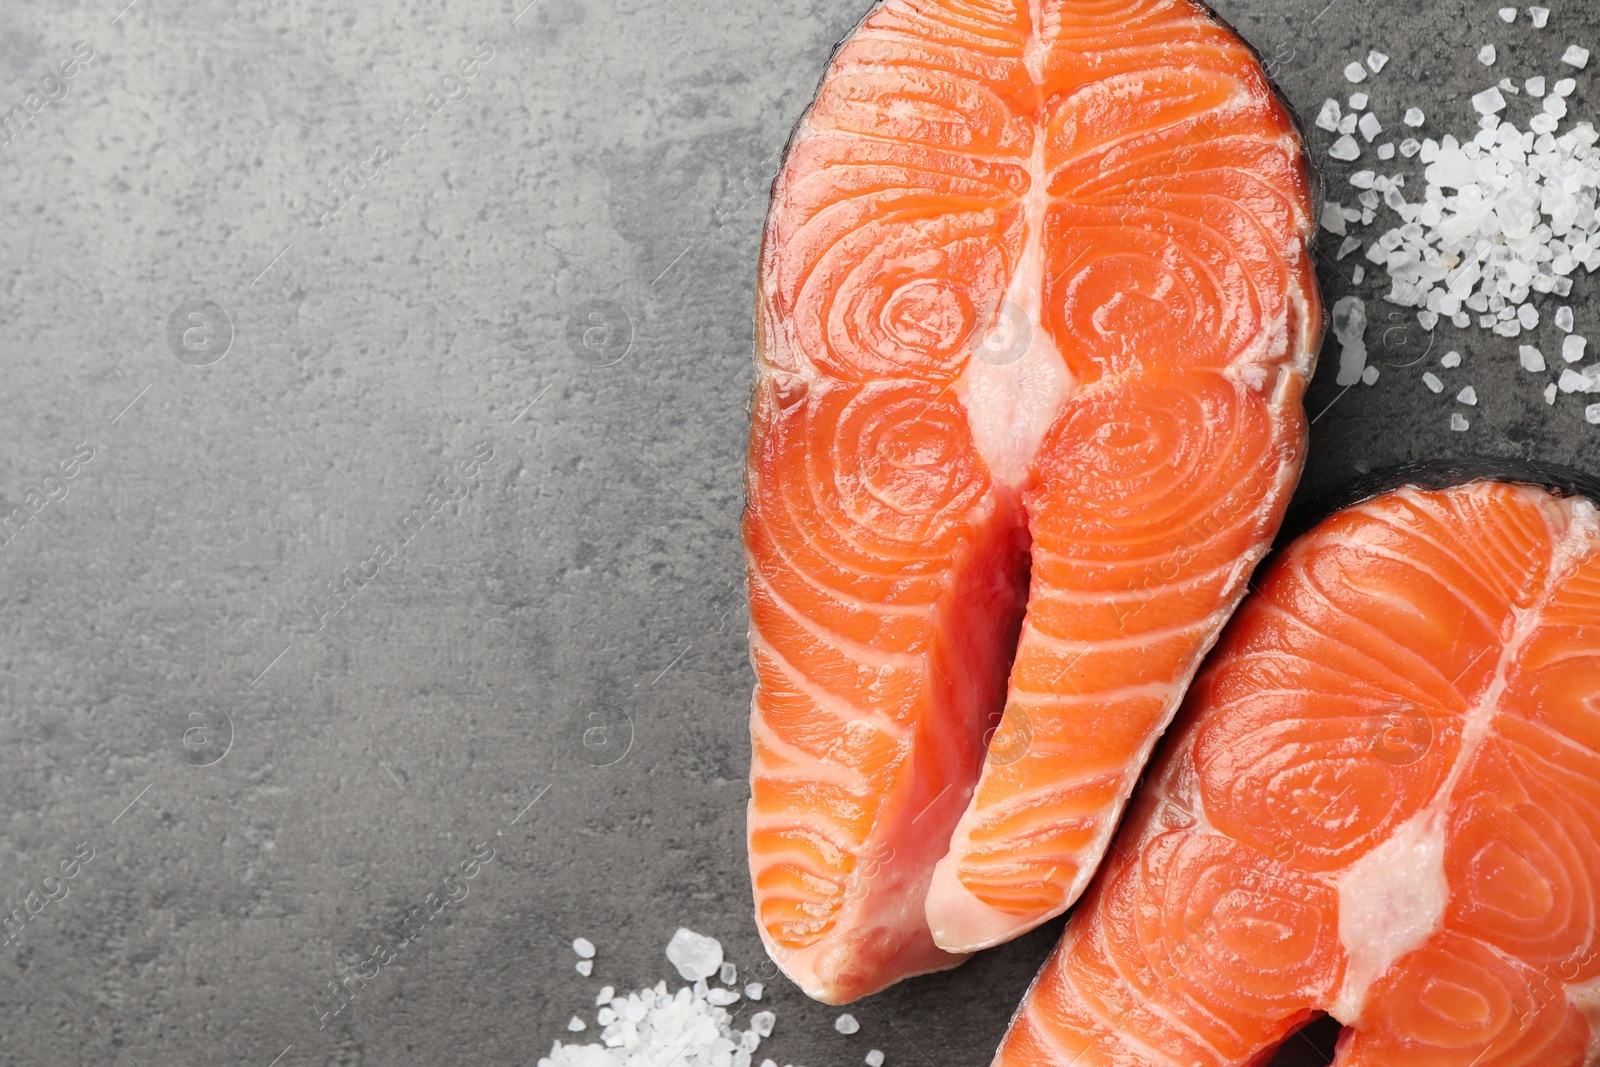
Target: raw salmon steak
<point>1381,801</point>
<point>1034,320</point>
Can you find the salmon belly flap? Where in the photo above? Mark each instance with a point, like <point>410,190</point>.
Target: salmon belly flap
<point>1035,316</point>
<point>1380,802</point>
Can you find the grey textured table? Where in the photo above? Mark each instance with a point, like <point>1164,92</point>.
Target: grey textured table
<point>365,550</point>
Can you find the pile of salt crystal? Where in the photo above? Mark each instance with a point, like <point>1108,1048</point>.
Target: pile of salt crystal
<point>1503,215</point>
<point>654,1027</point>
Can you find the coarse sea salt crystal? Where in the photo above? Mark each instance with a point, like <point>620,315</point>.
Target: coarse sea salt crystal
<point>1486,55</point>
<point>1591,414</point>
<point>874,1058</point>
<point>728,973</point>
<point>1386,151</point>
<point>1468,395</point>
<point>1413,117</point>
<point>1349,326</point>
<point>846,1024</point>
<point>753,990</point>
<point>1550,393</point>
<point>1530,357</point>
<point>1489,101</point>
<point>605,994</point>
<point>1357,273</point>
<point>1358,101</point>
<point>695,956</point>
<point>1450,359</point>
<point>1535,85</point>
<point>1458,421</point>
<point>1572,347</point>
<point>576,1024</point>
<point>1565,87</point>
<point>1377,60</point>
<point>1540,16</point>
<point>762,1023</point>
<point>1573,382</point>
<point>1355,73</point>
<point>1431,380</point>
<point>1575,56</point>
<point>1369,375</point>
<point>1345,148</point>
<point>1369,126</point>
<point>1328,117</point>
<point>1508,14</point>
<point>584,967</point>
<point>1564,318</point>
<point>583,947</point>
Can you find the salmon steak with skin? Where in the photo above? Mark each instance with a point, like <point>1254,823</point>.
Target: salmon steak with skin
<point>1381,801</point>
<point>1034,320</point>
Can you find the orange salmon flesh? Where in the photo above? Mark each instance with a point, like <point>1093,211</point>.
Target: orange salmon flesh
<point>1035,317</point>
<point>1380,801</point>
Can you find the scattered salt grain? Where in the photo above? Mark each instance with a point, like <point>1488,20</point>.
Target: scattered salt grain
<point>1450,359</point>
<point>1431,380</point>
<point>1564,318</point>
<point>1486,55</point>
<point>1535,85</point>
<point>583,947</point>
<point>1550,393</point>
<point>1347,123</point>
<point>1565,87</point>
<point>1386,151</point>
<point>1540,16</point>
<point>1591,414</point>
<point>695,956</point>
<point>1489,101</point>
<point>753,990</point>
<point>762,1023</point>
<point>605,994</point>
<point>1413,116</point>
<point>728,973</point>
<point>1508,14</point>
<point>1348,245</point>
<point>1572,347</point>
<point>1575,56</point>
<point>1531,358</point>
<point>1377,60</point>
<point>584,967</point>
<point>722,997</point>
<point>1369,375</point>
<point>1354,73</point>
<point>1358,101</point>
<point>1349,326</point>
<point>1358,274</point>
<point>576,1024</point>
<point>1369,126</point>
<point>874,1058</point>
<point>1573,382</point>
<point>1345,148</point>
<point>1328,117</point>
<point>1469,395</point>
<point>846,1024</point>
<point>1459,421</point>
